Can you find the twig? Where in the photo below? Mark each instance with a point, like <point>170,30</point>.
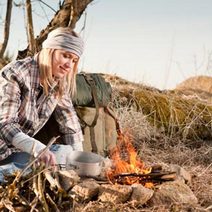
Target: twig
<point>53,182</point>
<point>35,187</point>
<point>35,175</point>
<point>41,185</point>
<point>47,5</point>
<point>8,205</point>
<point>33,204</point>
<point>52,202</point>
<point>208,208</point>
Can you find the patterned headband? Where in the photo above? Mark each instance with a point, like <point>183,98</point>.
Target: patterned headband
<point>60,39</point>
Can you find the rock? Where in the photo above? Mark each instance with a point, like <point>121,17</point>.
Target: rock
<point>68,179</point>
<point>85,191</point>
<point>173,192</point>
<point>181,173</point>
<point>63,179</point>
<point>114,193</point>
<point>140,194</point>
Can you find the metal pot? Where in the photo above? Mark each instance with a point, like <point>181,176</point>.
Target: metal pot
<point>85,163</point>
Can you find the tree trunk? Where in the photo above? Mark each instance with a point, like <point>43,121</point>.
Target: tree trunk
<point>30,29</point>
<point>3,46</point>
<point>69,13</point>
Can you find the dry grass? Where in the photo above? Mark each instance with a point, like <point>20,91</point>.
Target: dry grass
<point>102,207</point>
<point>128,207</point>
<point>177,116</point>
<point>173,113</point>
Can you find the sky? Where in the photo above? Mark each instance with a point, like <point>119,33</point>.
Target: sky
<point>155,42</point>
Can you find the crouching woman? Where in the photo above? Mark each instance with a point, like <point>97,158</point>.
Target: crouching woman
<point>34,89</point>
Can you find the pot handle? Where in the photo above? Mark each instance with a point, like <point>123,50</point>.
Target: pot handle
<point>71,167</point>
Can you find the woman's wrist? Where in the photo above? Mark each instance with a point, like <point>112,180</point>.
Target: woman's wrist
<point>27,144</point>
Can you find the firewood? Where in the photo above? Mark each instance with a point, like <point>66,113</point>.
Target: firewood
<point>143,178</point>
<point>149,175</point>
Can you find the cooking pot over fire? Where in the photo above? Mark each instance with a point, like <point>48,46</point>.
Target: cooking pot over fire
<point>85,163</point>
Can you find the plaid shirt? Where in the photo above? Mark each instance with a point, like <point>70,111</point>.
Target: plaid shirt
<point>22,110</point>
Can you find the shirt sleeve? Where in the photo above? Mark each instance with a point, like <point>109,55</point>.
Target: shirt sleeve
<point>10,100</point>
<point>69,125</point>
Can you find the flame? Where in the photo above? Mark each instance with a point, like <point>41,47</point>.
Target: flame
<point>125,161</point>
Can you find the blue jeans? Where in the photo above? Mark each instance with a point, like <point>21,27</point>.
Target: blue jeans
<point>14,162</point>
<point>20,159</point>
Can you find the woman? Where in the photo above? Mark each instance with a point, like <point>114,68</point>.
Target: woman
<point>32,90</point>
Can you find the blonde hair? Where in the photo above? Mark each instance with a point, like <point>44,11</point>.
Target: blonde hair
<point>66,84</point>
<point>45,58</point>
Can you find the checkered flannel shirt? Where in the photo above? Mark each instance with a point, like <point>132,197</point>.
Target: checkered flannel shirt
<point>22,111</point>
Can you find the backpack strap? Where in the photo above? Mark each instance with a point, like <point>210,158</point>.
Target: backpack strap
<point>109,111</point>
<point>92,84</point>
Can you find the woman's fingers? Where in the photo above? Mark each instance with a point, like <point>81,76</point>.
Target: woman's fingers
<point>48,158</point>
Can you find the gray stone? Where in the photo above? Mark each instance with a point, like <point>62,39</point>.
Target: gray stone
<point>182,174</point>
<point>140,194</point>
<point>68,179</point>
<point>114,193</point>
<point>85,191</point>
<point>173,192</point>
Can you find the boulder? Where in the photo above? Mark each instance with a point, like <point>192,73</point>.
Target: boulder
<point>173,192</point>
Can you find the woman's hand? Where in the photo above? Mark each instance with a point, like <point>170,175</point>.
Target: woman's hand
<point>48,158</point>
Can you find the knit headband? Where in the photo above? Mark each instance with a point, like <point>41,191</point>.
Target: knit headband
<point>60,39</point>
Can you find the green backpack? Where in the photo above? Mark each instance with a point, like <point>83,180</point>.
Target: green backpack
<point>98,121</point>
<point>92,87</point>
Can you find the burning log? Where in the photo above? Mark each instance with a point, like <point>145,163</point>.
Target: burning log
<point>130,178</point>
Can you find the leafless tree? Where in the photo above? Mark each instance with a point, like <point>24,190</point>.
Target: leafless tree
<point>3,45</point>
<point>30,28</point>
<point>67,15</point>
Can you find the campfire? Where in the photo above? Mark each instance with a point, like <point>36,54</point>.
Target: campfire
<point>128,168</point>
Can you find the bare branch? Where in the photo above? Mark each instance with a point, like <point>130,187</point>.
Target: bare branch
<point>47,5</point>
<point>69,13</point>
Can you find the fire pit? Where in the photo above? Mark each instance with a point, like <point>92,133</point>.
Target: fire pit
<point>127,179</point>
<point>128,169</point>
